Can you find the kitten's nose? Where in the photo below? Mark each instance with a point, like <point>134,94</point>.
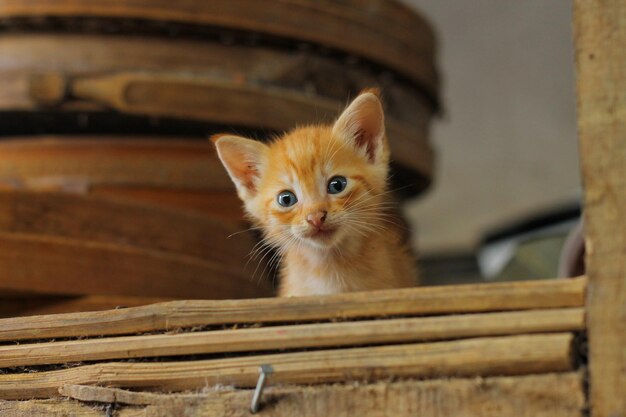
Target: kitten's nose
<point>317,218</point>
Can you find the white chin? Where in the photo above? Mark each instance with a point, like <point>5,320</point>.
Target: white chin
<point>323,242</point>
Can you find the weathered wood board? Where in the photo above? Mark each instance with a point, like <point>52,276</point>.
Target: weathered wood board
<point>374,332</point>
<point>600,37</point>
<point>550,395</point>
<point>506,355</point>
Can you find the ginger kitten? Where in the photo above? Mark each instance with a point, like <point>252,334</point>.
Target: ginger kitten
<point>319,194</point>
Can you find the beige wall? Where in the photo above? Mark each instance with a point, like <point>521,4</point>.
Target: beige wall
<point>507,145</point>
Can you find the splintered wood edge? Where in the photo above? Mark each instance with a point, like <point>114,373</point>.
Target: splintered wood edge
<point>510,355</point>
<point>554,395</point>
<point>412,301</point>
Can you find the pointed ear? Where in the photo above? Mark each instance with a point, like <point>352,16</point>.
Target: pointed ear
<point>243,159</point>
<point>362,124</point>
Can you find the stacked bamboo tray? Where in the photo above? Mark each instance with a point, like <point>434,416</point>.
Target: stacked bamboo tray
<point>521,338</point>
<point>111,194</point>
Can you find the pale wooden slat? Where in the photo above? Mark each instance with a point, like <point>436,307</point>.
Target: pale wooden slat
<point>405,47</point>
<point>414,301</point>
<point>600,37</point>
<point>510,355</point>
<point>299,336</point>
<point>54,265</point>
<point>550,395</point>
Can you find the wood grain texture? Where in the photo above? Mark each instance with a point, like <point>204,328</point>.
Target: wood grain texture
<point>234,85</point>
<point>404,42</point>
<point>510,355</point>
<point>18,306</point>
<point>415,301</point>
<point>48,408</point>
<point>66,56</point>
<point>78,163</point>
<point>201,98</point>
<point>115,221</point>
<point>54,265</point>
<point>375,332</point>
<point>600,36</point>
<point>220,205</point>
<point>550,395</point>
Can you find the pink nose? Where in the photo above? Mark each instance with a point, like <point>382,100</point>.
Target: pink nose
<point>316,219</point>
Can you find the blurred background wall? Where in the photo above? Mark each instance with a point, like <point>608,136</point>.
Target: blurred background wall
<point>507,143</point>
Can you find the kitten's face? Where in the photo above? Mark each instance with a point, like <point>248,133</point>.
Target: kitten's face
<point>316,190</point>
<point>317,186</point>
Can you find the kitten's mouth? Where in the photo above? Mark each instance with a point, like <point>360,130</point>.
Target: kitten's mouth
<point>322,234</point>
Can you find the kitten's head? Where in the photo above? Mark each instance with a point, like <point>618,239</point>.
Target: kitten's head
<point>317,185</point>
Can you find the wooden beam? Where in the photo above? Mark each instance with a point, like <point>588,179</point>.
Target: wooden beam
<point>600,35</point>
<point>375,332</point>
<point>550,395</point>
<point>509,355</point>
<point>413,301</point>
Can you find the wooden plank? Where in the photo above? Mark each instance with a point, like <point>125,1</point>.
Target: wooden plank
<point>97,219</point>
<point>53,265</point>
<point>36,305</point>
<point>203,98</point>
<point>550,395</point>
<point>600,35</point>
<point>407,47</point>
<point>48,408</point>
<point>79,55</point>
<point>510,355</point>
<point>375,332</point>
<point>78,163</point>
<point>222,205</point>
<point>413,301</point>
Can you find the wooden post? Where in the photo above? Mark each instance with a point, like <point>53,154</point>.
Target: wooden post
<point>600,36</point>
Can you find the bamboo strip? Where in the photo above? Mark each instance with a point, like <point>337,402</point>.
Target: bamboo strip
<point>414,301</point>
<point>510,355</point>
<point>292,337</point>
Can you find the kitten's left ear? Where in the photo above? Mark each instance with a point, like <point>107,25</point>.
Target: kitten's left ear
<point>362,124</point>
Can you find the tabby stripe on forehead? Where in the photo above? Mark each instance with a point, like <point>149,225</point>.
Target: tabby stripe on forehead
<point>362,180</point>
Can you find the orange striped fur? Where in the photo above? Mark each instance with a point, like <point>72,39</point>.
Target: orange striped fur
<point>328,242</point>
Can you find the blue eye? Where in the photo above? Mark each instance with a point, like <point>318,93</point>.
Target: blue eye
<point>337,184</point>
<point>287,198</point>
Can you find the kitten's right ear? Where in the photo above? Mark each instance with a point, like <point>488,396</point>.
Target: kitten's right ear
<point>243,159</point>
